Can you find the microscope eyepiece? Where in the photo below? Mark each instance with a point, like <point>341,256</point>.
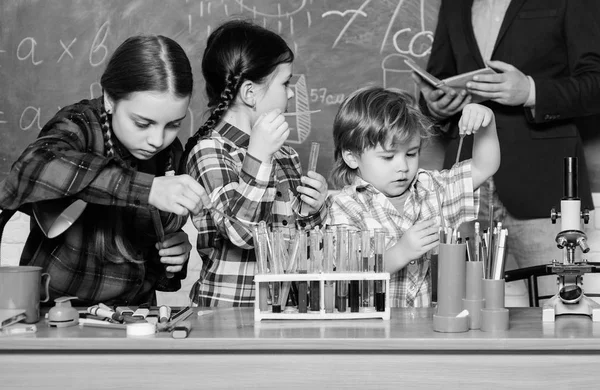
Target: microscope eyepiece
<point>570,178</point>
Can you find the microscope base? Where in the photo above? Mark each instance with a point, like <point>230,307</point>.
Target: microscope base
<point>555,307</point>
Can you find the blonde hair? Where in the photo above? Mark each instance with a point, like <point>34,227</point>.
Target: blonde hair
<point>373,116</point>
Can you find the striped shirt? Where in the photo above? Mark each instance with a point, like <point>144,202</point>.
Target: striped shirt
<point>250,191</point>
<point>361,206</point>
<point>68,160</point>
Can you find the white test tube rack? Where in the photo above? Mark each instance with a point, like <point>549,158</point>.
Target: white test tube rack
<point>321,314</point>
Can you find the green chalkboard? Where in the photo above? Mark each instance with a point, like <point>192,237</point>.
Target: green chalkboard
<point>52,53</point>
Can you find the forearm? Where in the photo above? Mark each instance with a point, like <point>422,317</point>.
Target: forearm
<point>396,259</point>
<point>486,155</point>
<point>51,169</point>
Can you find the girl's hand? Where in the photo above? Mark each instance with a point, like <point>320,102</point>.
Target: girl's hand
<point>180,195</point>
<point>313,192</point>
<point>420,238</point>
<point>174,251</point>
<point>474,116</point>
<point>268,135</point>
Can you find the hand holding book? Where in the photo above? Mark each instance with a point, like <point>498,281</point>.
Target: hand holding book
<point>457,82</point>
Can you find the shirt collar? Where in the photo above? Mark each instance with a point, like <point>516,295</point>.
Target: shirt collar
<point>237,136</point>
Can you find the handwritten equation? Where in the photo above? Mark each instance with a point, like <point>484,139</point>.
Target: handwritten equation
<point>317,30</point>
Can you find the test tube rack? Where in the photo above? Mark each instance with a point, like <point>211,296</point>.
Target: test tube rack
<point>322,278</point>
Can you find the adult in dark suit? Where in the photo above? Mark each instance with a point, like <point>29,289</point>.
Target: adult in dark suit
<point>547,55</point>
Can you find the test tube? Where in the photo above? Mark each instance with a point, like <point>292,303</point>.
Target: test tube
<point>328,251</point>
<point>312,161</point>
<point>342,266</point>
<point>302,269</point>
<point>379,267</point>
<point>260,249</point>
<point>353,260</point>
<point>315,268</point>
<point>290,267</point>
<point>365,250</point>
<point>277,268</point>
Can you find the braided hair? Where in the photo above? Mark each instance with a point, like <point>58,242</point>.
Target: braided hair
<point>143,63</point>
<point>236,51</point>
<point>105,120</point>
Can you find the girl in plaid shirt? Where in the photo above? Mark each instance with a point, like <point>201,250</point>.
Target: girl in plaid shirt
<point>378,135</point>
<point>239,156</point>
<point>113,152</point>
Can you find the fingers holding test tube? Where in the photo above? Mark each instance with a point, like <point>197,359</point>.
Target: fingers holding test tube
<point>314,191</point>
<point>174,251</point>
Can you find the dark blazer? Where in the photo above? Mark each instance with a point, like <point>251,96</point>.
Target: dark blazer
<point>557,43</point>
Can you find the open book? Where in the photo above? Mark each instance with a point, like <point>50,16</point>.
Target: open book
<point>457,82</point>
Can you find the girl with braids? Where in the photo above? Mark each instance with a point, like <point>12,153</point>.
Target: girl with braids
<point>113,153</point>
<point>239,156</point>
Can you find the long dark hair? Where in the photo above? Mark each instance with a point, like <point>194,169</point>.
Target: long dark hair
<point>236,51</point>
<point>143,63</point>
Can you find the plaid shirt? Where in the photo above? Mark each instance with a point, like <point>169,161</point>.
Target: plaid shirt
<point>250,191</point>
<point>361,206</point>
<point>67,160</point>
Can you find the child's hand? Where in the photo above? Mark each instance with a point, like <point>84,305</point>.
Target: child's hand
<point>474,116</point>
<point>178,194</point>
<point>420,238</point>
<point>313,192</point>
<point>268,135</point>
<point>174,251</point>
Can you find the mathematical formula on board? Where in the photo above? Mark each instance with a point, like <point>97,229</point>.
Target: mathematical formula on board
<point>340,26</point>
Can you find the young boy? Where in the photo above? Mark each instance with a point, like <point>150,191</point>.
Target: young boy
<point>378,135</point>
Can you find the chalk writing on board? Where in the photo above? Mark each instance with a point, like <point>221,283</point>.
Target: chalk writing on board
<point>66,49</point>
<point>52,53</point>
<point>31,114</point>
<point>98,45</point>
<point>321,95</point>
<point>95,90</point>
<point>28,43</point>
<point>301,126</point>
<point>352,18</point>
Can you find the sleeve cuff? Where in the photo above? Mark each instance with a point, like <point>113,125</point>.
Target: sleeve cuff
<point>531,98</point>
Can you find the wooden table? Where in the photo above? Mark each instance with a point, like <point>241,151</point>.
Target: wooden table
<point>227,349</point>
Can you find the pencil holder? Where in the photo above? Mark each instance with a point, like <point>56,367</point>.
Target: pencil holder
<point>473,301</point>
<point>494,316</point>
<point>451,289</point>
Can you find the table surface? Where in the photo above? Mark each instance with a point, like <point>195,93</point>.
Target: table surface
<point>234,329</point>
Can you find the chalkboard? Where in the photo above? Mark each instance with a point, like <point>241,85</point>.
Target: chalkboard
<point>53,52</point>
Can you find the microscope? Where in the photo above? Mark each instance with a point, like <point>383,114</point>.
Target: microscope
<point>570,298</point>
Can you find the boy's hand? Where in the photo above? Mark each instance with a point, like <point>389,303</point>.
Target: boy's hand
<point>268,135</point>
<point>313,192</point>
<point>474,117</point>
<point>420,238</point>
<point>174,251</point>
